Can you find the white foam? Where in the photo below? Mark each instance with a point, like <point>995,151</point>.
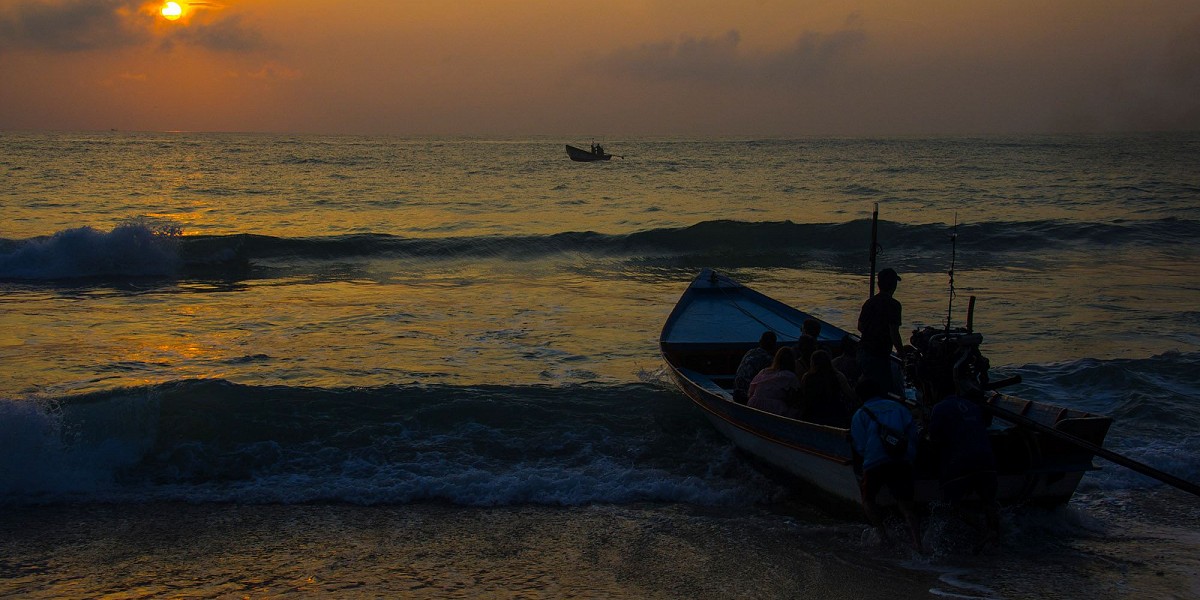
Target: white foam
<point>50,450</point>
<point>130,249</point>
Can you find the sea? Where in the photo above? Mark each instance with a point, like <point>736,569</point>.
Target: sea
<point>300,366</point>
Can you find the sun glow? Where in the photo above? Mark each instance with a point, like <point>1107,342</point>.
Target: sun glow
<point>172,11</point>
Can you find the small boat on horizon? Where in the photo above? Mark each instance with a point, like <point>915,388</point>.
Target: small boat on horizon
<point>717,320</point>
<point>580,155</point>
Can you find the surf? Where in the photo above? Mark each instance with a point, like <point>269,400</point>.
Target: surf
<point>217,441</point>
<point>137,249</point>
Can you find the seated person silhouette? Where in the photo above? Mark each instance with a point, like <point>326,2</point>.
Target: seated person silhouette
<point>755,360</point>
<point>774,389</point>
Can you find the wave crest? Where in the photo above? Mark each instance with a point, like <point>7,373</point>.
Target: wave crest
<point>137,249</point>
<point>215,441</point>
<point>131,249</point>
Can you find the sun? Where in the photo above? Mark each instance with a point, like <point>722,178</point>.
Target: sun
<point>172,11</point>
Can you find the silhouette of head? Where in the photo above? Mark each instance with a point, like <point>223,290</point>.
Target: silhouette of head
<point>888,278</point>
<point>785,359</point>
<point>767,341</point>
<point>820,362</point>
<point>811,327</point>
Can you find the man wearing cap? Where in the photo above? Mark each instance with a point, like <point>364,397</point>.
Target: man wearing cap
<point>879,324</point>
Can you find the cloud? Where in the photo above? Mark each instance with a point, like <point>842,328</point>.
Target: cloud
<point>1155,88</point>
<point>225,35</point>
<point>814,55</point>
<point>73,26</point>
<point>719,60</point>
<point>688,59</point>
<point>83,25</point>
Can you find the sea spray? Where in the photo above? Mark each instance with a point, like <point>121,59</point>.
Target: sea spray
<point>214,441</point>
<point>54,450</point>
<point>132,249</point>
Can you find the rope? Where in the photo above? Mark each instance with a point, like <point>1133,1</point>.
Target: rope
<point>728,291</point>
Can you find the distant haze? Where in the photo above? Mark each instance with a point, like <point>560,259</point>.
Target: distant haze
<point>603,69</point>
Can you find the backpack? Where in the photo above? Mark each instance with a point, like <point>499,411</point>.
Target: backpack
<point>895,443</point>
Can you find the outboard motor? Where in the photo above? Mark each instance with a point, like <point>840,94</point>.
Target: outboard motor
<point>946,361</point>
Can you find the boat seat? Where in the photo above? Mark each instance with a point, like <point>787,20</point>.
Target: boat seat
<point>708,382</point>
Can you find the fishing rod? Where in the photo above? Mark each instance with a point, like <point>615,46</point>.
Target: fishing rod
<point>953,257</point>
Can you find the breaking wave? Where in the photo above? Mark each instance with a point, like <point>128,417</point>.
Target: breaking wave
<point>486,445</point>
<point>216,441</point>
<point>132,249</point>
<point>1156,419</point>
<point>140,250</point>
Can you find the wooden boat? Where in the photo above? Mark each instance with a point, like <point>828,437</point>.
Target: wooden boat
<point>717,320</point>
<point>581,155</point>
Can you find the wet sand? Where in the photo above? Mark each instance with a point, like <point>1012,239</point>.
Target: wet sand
<point>420,551</point>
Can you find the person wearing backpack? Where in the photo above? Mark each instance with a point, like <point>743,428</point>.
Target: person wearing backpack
<point>884,438</point>
<point>958,433</point>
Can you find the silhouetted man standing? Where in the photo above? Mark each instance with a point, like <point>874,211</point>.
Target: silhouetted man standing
<point>879,325</point>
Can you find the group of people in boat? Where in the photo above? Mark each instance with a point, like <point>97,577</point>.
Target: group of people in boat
<point>802,382</point>
<point>597,149</point>
<point>812,384</point>
<point>806,382</point>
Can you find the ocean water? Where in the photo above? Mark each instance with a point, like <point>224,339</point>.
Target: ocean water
<point>260,365</point>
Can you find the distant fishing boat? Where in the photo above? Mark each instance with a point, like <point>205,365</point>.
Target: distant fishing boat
<point>581,155</point>
<point>718,319</point>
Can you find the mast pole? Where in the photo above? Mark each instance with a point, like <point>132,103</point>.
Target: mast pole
<point>874,248</point>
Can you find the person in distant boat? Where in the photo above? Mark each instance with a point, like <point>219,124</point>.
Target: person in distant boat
<point>774,389</point>
<point>599,151</point>
<point>846,361</point>
<point>825,395</point>
<point>878,423</point>
<point>755,360</point>
<point>958,433</point>
<point>879,323</point>
<point>806,344</point>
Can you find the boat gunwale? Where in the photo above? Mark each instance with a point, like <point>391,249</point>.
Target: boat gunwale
<point>845,432</point>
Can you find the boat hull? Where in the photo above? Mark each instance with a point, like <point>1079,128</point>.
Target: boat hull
<point>581,155</point>
<point>770,440</point>
<point>708,332</point>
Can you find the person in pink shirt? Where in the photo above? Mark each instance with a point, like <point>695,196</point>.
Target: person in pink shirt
<point>775,388</point>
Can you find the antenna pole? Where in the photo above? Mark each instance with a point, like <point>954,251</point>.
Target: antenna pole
<point>953,257</point>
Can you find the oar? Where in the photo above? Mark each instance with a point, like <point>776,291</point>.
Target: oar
<point>1124,461</point>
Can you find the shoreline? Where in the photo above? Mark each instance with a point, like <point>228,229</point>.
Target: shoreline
<point>426,550</point>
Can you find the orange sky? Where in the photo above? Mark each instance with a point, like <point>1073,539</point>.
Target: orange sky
<point>605,69</point>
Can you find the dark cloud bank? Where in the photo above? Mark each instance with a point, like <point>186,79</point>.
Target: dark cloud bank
<point>719,61</point>
<point>84,25</point>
